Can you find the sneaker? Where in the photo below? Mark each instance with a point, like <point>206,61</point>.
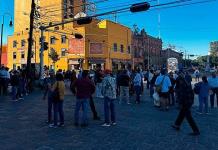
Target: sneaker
<point>128,103</point>
<point>207,113</point>
<point>52,126</point>
<point>194,133</point>
<point>60,124</point>
<point>14,100</point>
<point>113,123</point>
<point>106,125</point>
<point>21,98</point>
<point>175,127</point>
<point>200,113</point>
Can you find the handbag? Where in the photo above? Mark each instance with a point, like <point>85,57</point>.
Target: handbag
<point>159,87</point>
<point>56,94</point>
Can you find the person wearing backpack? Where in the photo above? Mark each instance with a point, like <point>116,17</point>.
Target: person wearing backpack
<point>59,90</point>
<point>109,93</point>
<point>137,85</point>
<point>213,82</point>
<point>203,95</point>
<point>48,83</point>
<point>163,85</point>
<point>185,97</point>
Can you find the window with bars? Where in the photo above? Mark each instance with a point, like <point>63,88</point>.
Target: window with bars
<point>63,52</point>
<point>52,40</point>
<point>63,39</point>
<point>115,47</point>
<point>129,49</point>
<point>14,55</point>
<point>14,44</point>
<point>23,43</point>
<point>22,55</point>
<point>121,48</point>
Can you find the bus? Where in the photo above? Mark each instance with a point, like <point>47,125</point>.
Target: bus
<point>172,64</point>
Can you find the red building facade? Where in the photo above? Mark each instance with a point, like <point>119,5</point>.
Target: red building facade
<point>146,49</point>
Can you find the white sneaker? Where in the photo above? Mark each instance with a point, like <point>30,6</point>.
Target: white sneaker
<point>128,103</point>
<point>106,125</point>
<point>52,126</point>
<point>114,123</point>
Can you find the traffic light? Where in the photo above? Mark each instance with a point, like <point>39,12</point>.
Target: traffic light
<point>140,7</point>
<point>84,20</point>
<point>78,36</point>
<point>45,45</point>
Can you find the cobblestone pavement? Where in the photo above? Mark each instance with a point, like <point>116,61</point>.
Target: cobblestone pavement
<point>139,127</point>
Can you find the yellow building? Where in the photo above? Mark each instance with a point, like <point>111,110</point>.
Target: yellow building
<point>104,42</point>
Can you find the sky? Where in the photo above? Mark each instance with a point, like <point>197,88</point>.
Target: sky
<point>189,28</point>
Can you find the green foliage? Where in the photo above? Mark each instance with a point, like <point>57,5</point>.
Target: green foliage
<point>202,60</point>
<point>54,56</point>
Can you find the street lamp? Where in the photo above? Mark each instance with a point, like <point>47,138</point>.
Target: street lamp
<point>10,25</point>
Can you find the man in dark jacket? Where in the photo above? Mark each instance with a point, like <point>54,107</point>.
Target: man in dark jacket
<point>124,81</point>
<point>185,97</point>
<point>84,89</point>
<point>14,84</point>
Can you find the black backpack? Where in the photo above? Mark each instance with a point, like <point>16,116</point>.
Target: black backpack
<point>197,88</point>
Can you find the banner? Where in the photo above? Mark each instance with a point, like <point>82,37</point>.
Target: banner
<point>76,46</point>
<point>96,48</point>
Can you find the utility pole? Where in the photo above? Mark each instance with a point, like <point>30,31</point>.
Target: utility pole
<point>30,39</point>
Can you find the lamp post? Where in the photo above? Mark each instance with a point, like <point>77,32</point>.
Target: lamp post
<point>2,29</point>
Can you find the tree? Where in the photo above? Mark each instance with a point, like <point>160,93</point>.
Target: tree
<point>54,56</point>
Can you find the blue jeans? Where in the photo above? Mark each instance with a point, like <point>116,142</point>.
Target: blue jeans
<point>14,92</point>
<point>84,104</point>
<point>58,108</point>
<point>49,109</point>
<point>212,96</point>
<point>109,108</point>
<point>203,101</point>
<point>138,92</point>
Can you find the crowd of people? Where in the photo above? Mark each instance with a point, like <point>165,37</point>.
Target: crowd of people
<point>172,89</point>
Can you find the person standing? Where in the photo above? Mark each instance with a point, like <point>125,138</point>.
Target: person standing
<point>59,87</point>
<point>203,95</point>
<point>98,81</point>
<point>49,82</point>
<point>185,95</point>
<point>171,91</point>
<point>14,83</point>
<point>137,82</point>
<point>84,90</point>
<point>213,83</point>
<point>197,75</point>
<point>109,93</point>
<point>165,83</point>
<point>124,81</point>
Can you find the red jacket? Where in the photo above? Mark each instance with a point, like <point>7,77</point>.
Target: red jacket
<point>84,88</point>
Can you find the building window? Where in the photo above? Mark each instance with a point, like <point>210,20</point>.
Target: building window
<point>129,50</point>
<point>14,44</point>
<point>121,48</point>
<point>63,52</point>
<point>14,55</point>
<point>115,47</point>
<point>63,39</point>
<point>23,43</point>
<point>22,55</point>
<point>52,40</point>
